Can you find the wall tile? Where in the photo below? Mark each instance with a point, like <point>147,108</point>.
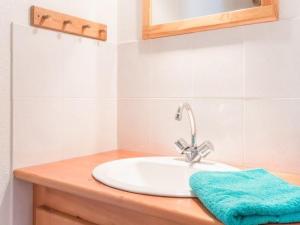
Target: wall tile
<point>129,20</point>
<point>37,63</point>
<point>37,131</point>
<point>88,126</point>
<point>289,9</point>
<point>81,69</point>
<point>107,121</point>
<point>134,78</point>
<point>89,70</point>
<point>170,69</point>
<point>220,73</point>
<point>134,124</point>
<point>78,126</point>
<point>220,121</point>
<point>272,130</point>
<point>272,53</point>
<point>107,78</point>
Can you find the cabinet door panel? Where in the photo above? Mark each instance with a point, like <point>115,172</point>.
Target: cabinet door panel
<point>46,216</point>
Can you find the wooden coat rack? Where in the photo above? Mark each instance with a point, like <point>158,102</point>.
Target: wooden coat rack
<point>52,20</point>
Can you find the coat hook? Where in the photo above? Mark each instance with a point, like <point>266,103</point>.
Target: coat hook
<point>100,32</point>
<point>44,17</point>
<point>66,22</point>
<point>85,27</point>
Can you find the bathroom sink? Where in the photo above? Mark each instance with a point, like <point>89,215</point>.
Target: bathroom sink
<point>160,176</point>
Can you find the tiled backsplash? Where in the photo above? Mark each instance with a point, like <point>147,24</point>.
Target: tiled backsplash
<point>243,84</point>
<point>65,102</point>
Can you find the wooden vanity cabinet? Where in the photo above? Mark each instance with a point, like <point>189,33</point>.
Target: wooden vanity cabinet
<point>53,207</point>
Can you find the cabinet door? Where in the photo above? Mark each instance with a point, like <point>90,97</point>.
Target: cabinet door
<point>49,217</point>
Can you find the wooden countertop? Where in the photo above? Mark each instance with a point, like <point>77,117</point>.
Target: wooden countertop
<point>74,176</point>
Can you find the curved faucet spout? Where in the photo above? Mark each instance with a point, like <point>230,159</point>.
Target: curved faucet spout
<point>191,119</point>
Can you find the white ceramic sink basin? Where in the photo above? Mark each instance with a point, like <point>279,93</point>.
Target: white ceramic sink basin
<point>161,176</point>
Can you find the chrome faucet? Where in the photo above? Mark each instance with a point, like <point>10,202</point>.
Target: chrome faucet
<point>192,152</point>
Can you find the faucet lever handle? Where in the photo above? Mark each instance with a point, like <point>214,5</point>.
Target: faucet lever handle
<point>205,149</point>
<point>182,145</point>
<point>205,152</point>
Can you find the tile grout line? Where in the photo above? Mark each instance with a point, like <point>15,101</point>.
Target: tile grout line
<point>212,98</point>
<point>244,100</point>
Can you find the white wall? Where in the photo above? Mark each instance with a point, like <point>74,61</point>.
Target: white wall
<point>64,94</point>
<point>5,165</point>
<point>243,84</point>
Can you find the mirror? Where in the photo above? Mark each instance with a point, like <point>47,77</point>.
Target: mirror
<point>166,11</point>
<point>173,17</point>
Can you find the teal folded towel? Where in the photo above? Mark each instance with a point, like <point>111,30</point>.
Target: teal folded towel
<point>247,197</point>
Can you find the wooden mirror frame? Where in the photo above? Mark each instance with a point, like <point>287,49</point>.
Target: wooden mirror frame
<point>266,12</point>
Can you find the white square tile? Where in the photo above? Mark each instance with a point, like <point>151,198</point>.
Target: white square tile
<point>108,75</point>
<point>37,131</point>
<point>129,20</point>
<point>272,130</point>
<point>38,60</point>
<point>133,70</point>
<point>220,121</point>
<point>170,69</point>
<point>89,68</point>
<point>78,126</point>
<point>108,139</point>
<point>218,71</point>
<point>272,53</point>
<point>217,63</point>
<point>80,68</point>
<point>289,9</point>
<point>89,126</point>
<point>134,124</point>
